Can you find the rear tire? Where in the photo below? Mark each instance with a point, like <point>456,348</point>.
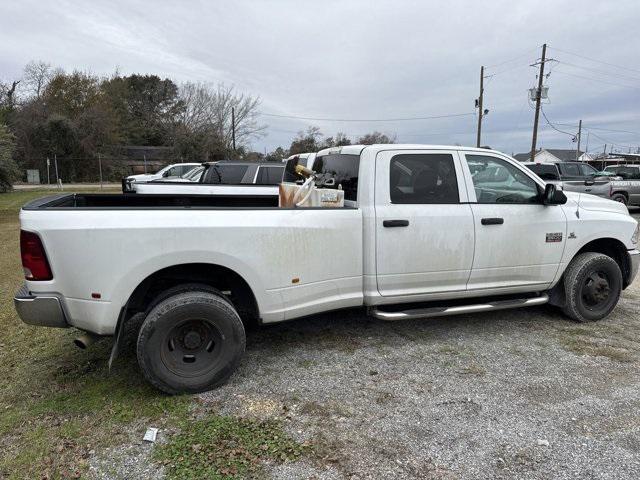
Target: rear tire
<point>593,283</point>
<point>190,342</point>
<point>620,197</point>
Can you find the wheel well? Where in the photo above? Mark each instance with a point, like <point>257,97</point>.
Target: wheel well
<point>608,246</point>
<point>232,285</point>
<point>621,192</point>
<point>612,248</point>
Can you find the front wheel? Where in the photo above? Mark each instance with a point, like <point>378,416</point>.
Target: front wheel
<point>619,197</point>
<point>190,342</point>
<point>593,283</point>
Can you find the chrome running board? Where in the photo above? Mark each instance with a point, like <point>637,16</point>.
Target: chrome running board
<point>458,310</point>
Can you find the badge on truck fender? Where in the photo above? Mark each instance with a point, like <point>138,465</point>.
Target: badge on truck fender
<point>554,237</point>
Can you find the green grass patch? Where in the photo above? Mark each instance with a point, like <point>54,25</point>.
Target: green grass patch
<point>585,346</point>
<point>58,402</point>
<point>222,447</point>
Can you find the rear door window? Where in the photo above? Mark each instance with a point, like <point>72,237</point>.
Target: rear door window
<point>270,175</point>
<point>226,174</point>
<point>545,172</point>
<point>423,178</point>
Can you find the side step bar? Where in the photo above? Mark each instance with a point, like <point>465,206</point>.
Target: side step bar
<point>444,311</point>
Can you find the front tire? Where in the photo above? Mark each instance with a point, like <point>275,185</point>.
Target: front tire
<point>190,342</point>
<point>620,197</point>
<point>593,284</point>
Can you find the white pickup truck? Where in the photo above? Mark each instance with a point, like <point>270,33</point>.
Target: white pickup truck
<point>419,236</point>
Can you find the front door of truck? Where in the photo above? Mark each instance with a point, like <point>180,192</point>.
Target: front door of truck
<point>519,241</point>
<point>424,225</point>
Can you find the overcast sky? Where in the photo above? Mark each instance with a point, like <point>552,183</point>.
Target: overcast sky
<point>363,60</point>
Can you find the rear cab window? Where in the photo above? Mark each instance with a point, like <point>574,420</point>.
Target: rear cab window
<point>336,170</point>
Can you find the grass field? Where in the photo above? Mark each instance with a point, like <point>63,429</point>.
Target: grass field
<point>59,405</point>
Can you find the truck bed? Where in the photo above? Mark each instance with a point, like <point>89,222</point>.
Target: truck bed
<point>133,201</point>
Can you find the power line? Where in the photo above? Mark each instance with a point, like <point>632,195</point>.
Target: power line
<point>514,59</point>
<point>553,126</point>
<point>612,143</point>
<point>596,80</point>
<point>599,128</point>
<point>403,119</point>
<point>601,72</point>
<point>595,60</point>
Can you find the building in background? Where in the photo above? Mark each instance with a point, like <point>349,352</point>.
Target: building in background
<point>554,155</point>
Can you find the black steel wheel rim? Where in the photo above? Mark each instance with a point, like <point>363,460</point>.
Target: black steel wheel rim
<point>596,290</point>
<point>192,348</point>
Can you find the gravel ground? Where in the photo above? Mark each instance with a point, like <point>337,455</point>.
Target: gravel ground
<point>515,394</point>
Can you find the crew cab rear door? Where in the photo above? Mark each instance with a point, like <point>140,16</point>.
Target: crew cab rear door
<point>424,225</point>
<point>519,241</point>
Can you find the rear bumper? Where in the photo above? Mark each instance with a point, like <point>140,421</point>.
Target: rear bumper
<point>42,310</point>
<point>634,263</point>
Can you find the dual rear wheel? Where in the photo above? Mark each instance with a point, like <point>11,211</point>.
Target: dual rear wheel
<point>191,341</point>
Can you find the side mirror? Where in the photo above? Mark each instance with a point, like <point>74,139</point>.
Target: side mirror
<point>553,196</point>
<point>165,174</point>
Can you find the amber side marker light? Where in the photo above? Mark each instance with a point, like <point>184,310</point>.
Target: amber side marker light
<point>34,260</point>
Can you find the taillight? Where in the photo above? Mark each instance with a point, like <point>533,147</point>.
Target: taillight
<point>34,260</point>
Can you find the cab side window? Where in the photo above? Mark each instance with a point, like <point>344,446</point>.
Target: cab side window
<point>497,181</point>
<point>423,178</point>
<point>587,170</point>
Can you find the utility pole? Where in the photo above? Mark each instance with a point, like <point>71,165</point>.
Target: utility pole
<point>538,95</point>
<point>480,106</point>
<point>55,161</point>
<point>100,168</point>
<point>579,135</point>
<point>233,127</point>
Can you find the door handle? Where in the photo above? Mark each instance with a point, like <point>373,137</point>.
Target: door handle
<point>395,223</point>
<point>492,221</point>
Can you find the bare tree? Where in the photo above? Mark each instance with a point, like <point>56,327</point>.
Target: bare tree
<point>36,76</point>
<point>376,137</point>
<point>9,94</point>
<point>207,109</point>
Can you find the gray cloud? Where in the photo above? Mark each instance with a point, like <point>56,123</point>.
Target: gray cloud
<point>361,59</point>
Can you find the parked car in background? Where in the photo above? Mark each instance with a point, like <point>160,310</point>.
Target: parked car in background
<point>175,170</point>
<point>222,178</point>
<point>423,232</point>
<point>627,190</point>
<point>192,175</point>
<point>572,176</point>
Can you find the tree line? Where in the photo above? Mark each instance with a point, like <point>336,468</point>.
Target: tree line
<point>75,116</point>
